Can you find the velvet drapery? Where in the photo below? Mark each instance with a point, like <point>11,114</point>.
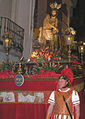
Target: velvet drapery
<point>23,111</point>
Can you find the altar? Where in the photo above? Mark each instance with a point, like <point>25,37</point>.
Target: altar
<point>12,107</point>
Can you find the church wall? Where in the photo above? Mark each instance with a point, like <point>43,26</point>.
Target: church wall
<point>21,12</point>
<point>5,8</point>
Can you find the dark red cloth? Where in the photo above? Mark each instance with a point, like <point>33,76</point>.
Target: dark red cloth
<point>23,111</point>
<point>29,85</point>
<point>28,111</point>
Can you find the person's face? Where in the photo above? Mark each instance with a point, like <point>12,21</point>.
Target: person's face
<point>61,83</point>
<point>53,12</point>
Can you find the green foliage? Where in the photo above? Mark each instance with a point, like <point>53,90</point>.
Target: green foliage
<point>5,65</point>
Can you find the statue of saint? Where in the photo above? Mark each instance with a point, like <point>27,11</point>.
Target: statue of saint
<point>49,31</point>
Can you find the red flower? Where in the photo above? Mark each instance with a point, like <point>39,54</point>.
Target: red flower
<point>34,60</point>
<point>50,55</point>
<point>40,53</point>
<point>38,57</point>
<point>54,58</point>
<point>31,58</point>
<point>6,70</point>
<point>43,58</point>
<point>11,72</point>
<point>45,55</point>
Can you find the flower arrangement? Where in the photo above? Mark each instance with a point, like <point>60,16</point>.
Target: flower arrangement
<point>5,74</point>
<point>6,70</point>
<point>6,66</point>
<point>45,59</point>
<point>46,71</point>
<point>49,58</point>
<point>47,54</point>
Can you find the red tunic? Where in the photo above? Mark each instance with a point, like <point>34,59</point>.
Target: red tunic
<point>60,106</point>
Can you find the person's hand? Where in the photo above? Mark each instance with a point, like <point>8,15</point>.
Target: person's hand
<point>77,112</point>
<point>55,30</point>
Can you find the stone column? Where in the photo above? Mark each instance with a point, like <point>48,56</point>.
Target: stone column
<point>5,8</point>
<point>13,10</point>
<point>23,16</point>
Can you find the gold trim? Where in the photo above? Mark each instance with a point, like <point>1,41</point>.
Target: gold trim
<point>20,103</point>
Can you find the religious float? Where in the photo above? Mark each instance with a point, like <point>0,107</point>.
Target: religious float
<point>25,86</point>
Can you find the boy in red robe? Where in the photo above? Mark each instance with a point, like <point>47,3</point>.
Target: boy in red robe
<point>65,100</point>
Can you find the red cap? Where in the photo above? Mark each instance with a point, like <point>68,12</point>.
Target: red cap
<point>68,73</point>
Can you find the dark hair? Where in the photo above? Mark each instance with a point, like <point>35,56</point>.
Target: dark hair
<point>63,76</point>
<point>50,13</point>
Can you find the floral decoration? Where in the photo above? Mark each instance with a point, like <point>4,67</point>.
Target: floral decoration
<point>6,70</point>
<point>49,58</point>
<point>49,61</point>
<point>47,54</point>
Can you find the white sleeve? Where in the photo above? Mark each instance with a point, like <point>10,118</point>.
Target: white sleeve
<point>75,98</point>
<point>52,98</point>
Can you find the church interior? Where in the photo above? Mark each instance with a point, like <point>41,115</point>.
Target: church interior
<point>38,39</point>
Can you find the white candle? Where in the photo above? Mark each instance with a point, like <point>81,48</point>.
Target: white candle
<point>81,49</point>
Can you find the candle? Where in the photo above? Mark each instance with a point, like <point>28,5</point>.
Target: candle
<point>81,49</point>
<point>7,42</point>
